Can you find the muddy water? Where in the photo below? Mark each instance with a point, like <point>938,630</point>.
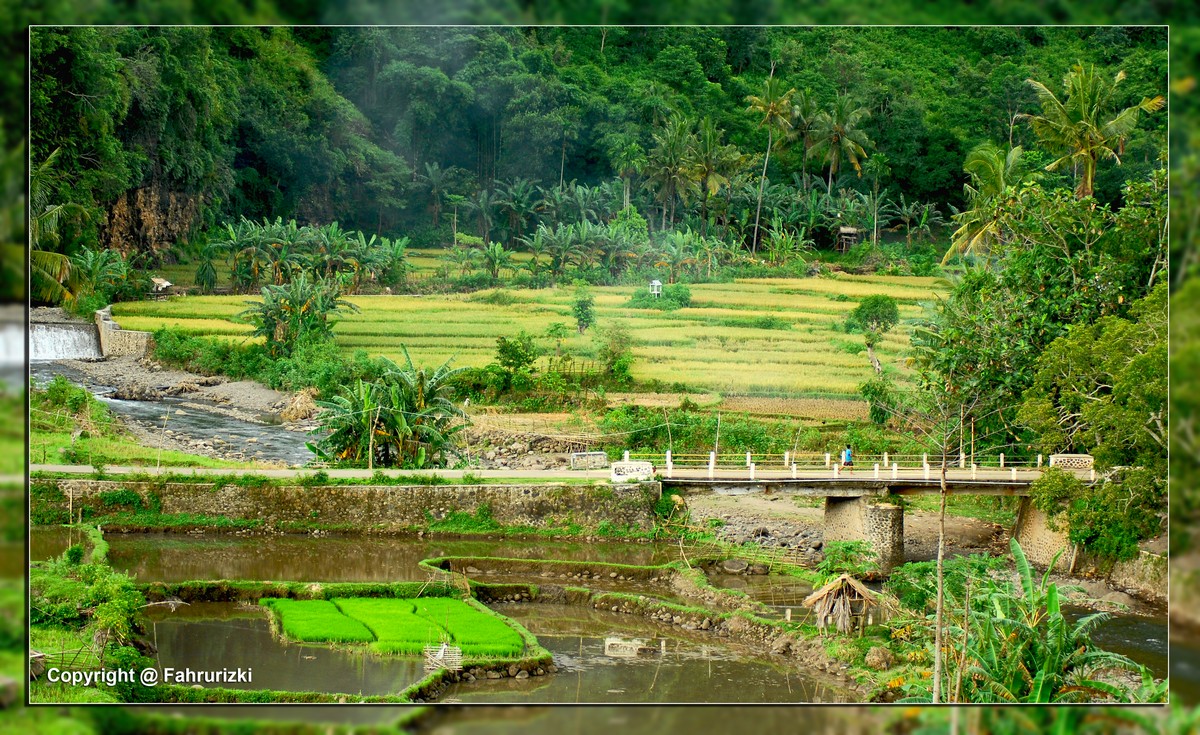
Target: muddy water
<point>1185,669</point>
<point>607,720</point>
<point>215,636</point>
<point>172,557</point>
<point>678,669</point>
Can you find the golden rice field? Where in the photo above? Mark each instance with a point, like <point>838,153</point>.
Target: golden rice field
<point>712,346</point>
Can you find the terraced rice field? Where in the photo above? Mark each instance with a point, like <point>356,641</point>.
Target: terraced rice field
<point>719,344</point>
<point>397,626</point>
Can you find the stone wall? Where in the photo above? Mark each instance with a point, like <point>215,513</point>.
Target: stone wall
<point>1144,576</point>
<point>384,508</point>
<point>879,524</point>
<point>1038,541</point>
<point>115,341</point>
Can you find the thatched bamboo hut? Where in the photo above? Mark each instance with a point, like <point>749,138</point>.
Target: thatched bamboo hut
<point>845,603</point>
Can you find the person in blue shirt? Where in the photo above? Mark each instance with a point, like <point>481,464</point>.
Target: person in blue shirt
<point>847,459</point>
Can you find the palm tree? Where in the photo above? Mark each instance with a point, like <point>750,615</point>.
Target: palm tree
<point>774,110</point>
<point>50,275</point>
<point>495,257</point>
<point>518,202</point>
<point>536,247</point>
<point>672,169</point>
<point>436,179</point>
<point>804,119</point>
<point>484,207</point>
<point>715,163</point>
<point>561,246</point>
<point>424,396</point>
<point>676,253</point>
<point>1085,128</point>
<point>995,174</point>
<point>206,268</point>
<point>629,161</point>
<point>836,136</point>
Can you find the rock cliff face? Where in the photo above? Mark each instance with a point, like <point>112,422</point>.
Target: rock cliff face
<point>150,219</point>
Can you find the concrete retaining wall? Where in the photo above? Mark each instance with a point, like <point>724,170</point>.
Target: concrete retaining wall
<point>384,508</point>
<point>879,524</point>
<point>115,341</point>
<point>1144,576</point>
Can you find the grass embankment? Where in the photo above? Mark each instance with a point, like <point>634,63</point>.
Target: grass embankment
<point>775,336</point>
<point>398,626</point>
<point>67,424</point>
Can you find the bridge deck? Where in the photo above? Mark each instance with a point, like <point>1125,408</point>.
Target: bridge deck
<point>856,483</point>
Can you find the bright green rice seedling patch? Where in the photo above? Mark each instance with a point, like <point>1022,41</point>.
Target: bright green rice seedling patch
<point>476,632</point>
<point>397,629</point>
<point>317,621</point>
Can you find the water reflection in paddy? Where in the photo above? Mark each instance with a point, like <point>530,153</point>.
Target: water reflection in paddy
<point>164,557</point>
<point>218,636</point>
<point>679,669</point>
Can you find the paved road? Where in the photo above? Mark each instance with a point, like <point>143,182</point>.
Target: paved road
<point>729,474</point>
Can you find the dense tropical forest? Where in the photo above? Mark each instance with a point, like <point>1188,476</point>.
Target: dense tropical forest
<point>165,133</point>
<point>1028,164</point>
<point>605,156</point>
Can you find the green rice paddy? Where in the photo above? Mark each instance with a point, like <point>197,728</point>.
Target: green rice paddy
<point>398,626</point>
<point>723,342</point>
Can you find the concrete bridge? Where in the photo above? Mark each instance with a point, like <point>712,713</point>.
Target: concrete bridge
<point>857,506</point>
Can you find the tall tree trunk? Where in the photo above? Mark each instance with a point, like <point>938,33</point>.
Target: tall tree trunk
<point>874,360</point>
<point>704,209</point>
<point>941,587</point>
<point>628,181</point>
<point>761,183</point>
<point>832,168</point>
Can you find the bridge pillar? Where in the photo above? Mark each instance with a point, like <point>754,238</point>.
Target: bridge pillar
<point>881,525</point>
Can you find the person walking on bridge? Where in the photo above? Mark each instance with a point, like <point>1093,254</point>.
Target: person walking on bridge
<point>847,459</point>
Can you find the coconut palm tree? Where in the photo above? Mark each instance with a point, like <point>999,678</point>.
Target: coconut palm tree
<point>804,118</point>
<point>715,163</point>
<point>518,203</point>
<point>774,110</point>
<point>50,275</point>
<point>1085,128</point>
<point>436,179</point>
<point>672,171</point>
<point>836,136</point>
<point>995,174</point>
<point>629,162</point>
<point>536,246</point>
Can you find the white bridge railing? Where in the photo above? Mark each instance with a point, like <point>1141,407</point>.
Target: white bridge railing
<point>878,466</point>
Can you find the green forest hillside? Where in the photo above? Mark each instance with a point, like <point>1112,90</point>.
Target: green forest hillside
<point>166,132</point>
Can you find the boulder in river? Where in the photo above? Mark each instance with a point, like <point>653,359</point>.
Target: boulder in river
<point>137,392</point>
<point>734,566</point>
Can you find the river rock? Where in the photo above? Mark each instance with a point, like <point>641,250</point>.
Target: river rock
<point>879,658</point>
<point>1119,598</point>
<point>136,392</point>
<point>734,566</point>
<point>512,670</point>
<point>522,675</point>
<point>494,675</point>
<point>472,570</point>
